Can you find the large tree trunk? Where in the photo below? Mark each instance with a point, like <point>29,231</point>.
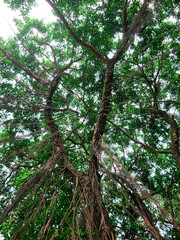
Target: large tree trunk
<point>95,213</point>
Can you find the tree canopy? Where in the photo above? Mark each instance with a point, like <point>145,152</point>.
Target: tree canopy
<point>89,122</point>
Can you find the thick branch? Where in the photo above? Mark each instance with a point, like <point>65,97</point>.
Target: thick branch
<point>137,25</point>
<point>141,18</point>
<point>58,148</point>
<point>101,121</point>
<point>58,157</point>
<point>174,133</point>
<point>73,34</point>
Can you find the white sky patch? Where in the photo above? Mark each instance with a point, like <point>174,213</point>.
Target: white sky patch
<point>1,237</point>
<point>8,27</point>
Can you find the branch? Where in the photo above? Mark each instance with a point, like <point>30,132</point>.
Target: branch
<point>137,25</point>
<point>7,107</point>
<point>103,21</point>
<point>14,119</point>
<point>22,136</point>
<point>58,157</point>
<point>26,188</point>
<point>170,101</point>
<point>57,142</point>
<point>73,34</point>
<point>135,160</point>
<point>142,144</point>
<point>26,70</point>
<point>125,22</point>
<point>101,121</point>
<point>174,133</point>
<point>31,54</point>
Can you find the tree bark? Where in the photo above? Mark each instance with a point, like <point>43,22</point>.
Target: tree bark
<point>95,213</point>
<point>174,133</point>
<point>147,217</point>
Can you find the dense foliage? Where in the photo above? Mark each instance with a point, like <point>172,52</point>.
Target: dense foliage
<point>89,122</point>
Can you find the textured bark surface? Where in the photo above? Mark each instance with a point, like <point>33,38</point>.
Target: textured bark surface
<point>174,133</point>
<point>147,217</point>
<point>95,214</point>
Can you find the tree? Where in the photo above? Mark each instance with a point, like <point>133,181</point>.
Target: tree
<point>90,122</point>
